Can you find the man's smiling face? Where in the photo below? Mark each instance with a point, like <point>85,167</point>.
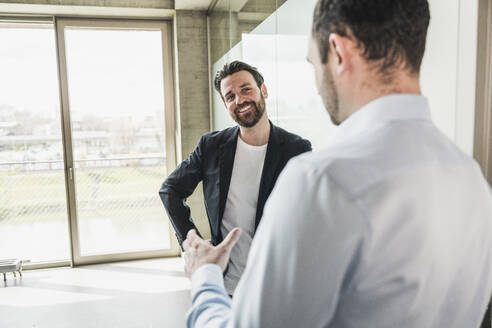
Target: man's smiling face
<point>242,97</point>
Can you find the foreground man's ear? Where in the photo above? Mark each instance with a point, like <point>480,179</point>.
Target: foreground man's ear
<point>341,51</point>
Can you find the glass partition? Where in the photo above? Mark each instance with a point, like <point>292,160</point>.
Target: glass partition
<point>273,36</point>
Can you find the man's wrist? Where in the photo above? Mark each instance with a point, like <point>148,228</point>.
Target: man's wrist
<point>206,275</point>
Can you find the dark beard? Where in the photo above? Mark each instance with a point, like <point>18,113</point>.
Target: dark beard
<point>329,96</point>
<point>252,118</point>
<point>330,99</point>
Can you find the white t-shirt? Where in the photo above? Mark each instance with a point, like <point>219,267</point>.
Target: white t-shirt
<point>240,208</point>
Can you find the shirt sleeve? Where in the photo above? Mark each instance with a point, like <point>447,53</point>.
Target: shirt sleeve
<point>211,306</point>
<point>303,257</point>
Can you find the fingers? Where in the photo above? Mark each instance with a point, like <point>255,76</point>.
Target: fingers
<point>186,244</point>
<point>187,264</point>
<point>231,239</point>
<point>191,233</point>
<point>190,236</point>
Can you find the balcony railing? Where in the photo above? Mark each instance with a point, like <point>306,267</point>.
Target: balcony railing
<point>35,190</point>
<point>119,194</point>
<point>151,159</point>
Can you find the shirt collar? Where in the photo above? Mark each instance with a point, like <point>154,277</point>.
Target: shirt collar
<point>382,110</point>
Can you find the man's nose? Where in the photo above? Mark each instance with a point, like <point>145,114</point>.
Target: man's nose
<point>239,99</point>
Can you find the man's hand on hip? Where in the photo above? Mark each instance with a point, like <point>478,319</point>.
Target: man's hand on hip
<point>199,252</point>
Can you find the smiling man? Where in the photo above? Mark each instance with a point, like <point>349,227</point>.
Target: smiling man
<point>238,166</point>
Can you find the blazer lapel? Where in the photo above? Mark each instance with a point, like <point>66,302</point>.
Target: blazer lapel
<point>272,159</point>
<point>227,151</point>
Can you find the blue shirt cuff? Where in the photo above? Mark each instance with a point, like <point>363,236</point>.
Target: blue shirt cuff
<point>209,275</point>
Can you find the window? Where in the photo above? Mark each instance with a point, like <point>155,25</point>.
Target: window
<point>33,210</point>
<point>84,177</point>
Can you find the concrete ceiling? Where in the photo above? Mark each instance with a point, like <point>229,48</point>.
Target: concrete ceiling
<point>192,4</point>
<point>219,5</point>
<point>232,5</point>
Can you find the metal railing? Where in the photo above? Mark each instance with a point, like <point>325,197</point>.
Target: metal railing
<point>97,162</point>
<point>120,190</point>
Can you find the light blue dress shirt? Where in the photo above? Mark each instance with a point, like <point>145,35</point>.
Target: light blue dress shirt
<point>389,226</point>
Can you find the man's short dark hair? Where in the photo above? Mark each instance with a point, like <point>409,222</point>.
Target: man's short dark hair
<point>234,67</point>
<point>390,32</point>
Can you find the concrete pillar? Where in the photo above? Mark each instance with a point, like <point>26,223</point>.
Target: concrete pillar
<point>224,33</point>
<point>193,94</point>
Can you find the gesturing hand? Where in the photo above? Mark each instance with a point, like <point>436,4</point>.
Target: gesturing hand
<point>199,252</point>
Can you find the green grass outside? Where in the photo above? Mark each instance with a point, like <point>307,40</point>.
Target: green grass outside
<point>122,192</point>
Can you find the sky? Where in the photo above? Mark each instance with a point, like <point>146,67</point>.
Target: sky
<point>110,72</point>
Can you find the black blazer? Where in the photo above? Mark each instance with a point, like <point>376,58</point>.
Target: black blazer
<point>212,162</point>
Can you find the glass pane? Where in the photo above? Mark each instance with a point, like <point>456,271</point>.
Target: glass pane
<point>116,93</point>
<point>304,115</point>
<point>33,211</point>
<point>272,35</point>
<point>252,32</point>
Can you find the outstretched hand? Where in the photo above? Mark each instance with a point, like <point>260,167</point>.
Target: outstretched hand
<point>199,252</point>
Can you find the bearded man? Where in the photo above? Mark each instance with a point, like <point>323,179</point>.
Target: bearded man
<point>238,167</point>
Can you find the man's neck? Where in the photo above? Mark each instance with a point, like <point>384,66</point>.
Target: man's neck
<point>367,92</point>
<point>258,134</point>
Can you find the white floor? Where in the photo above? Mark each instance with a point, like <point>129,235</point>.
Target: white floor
<point>150,293</point>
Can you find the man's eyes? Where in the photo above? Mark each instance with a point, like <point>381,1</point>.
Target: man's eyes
<point>243,91</point>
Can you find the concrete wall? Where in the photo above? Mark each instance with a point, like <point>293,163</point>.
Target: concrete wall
<point>193,94</point>
<point>224,33</point>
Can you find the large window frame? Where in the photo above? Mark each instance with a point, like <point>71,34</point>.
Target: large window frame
<point>483,101</point>
<point>482,150</point>
<point>59,23</point>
